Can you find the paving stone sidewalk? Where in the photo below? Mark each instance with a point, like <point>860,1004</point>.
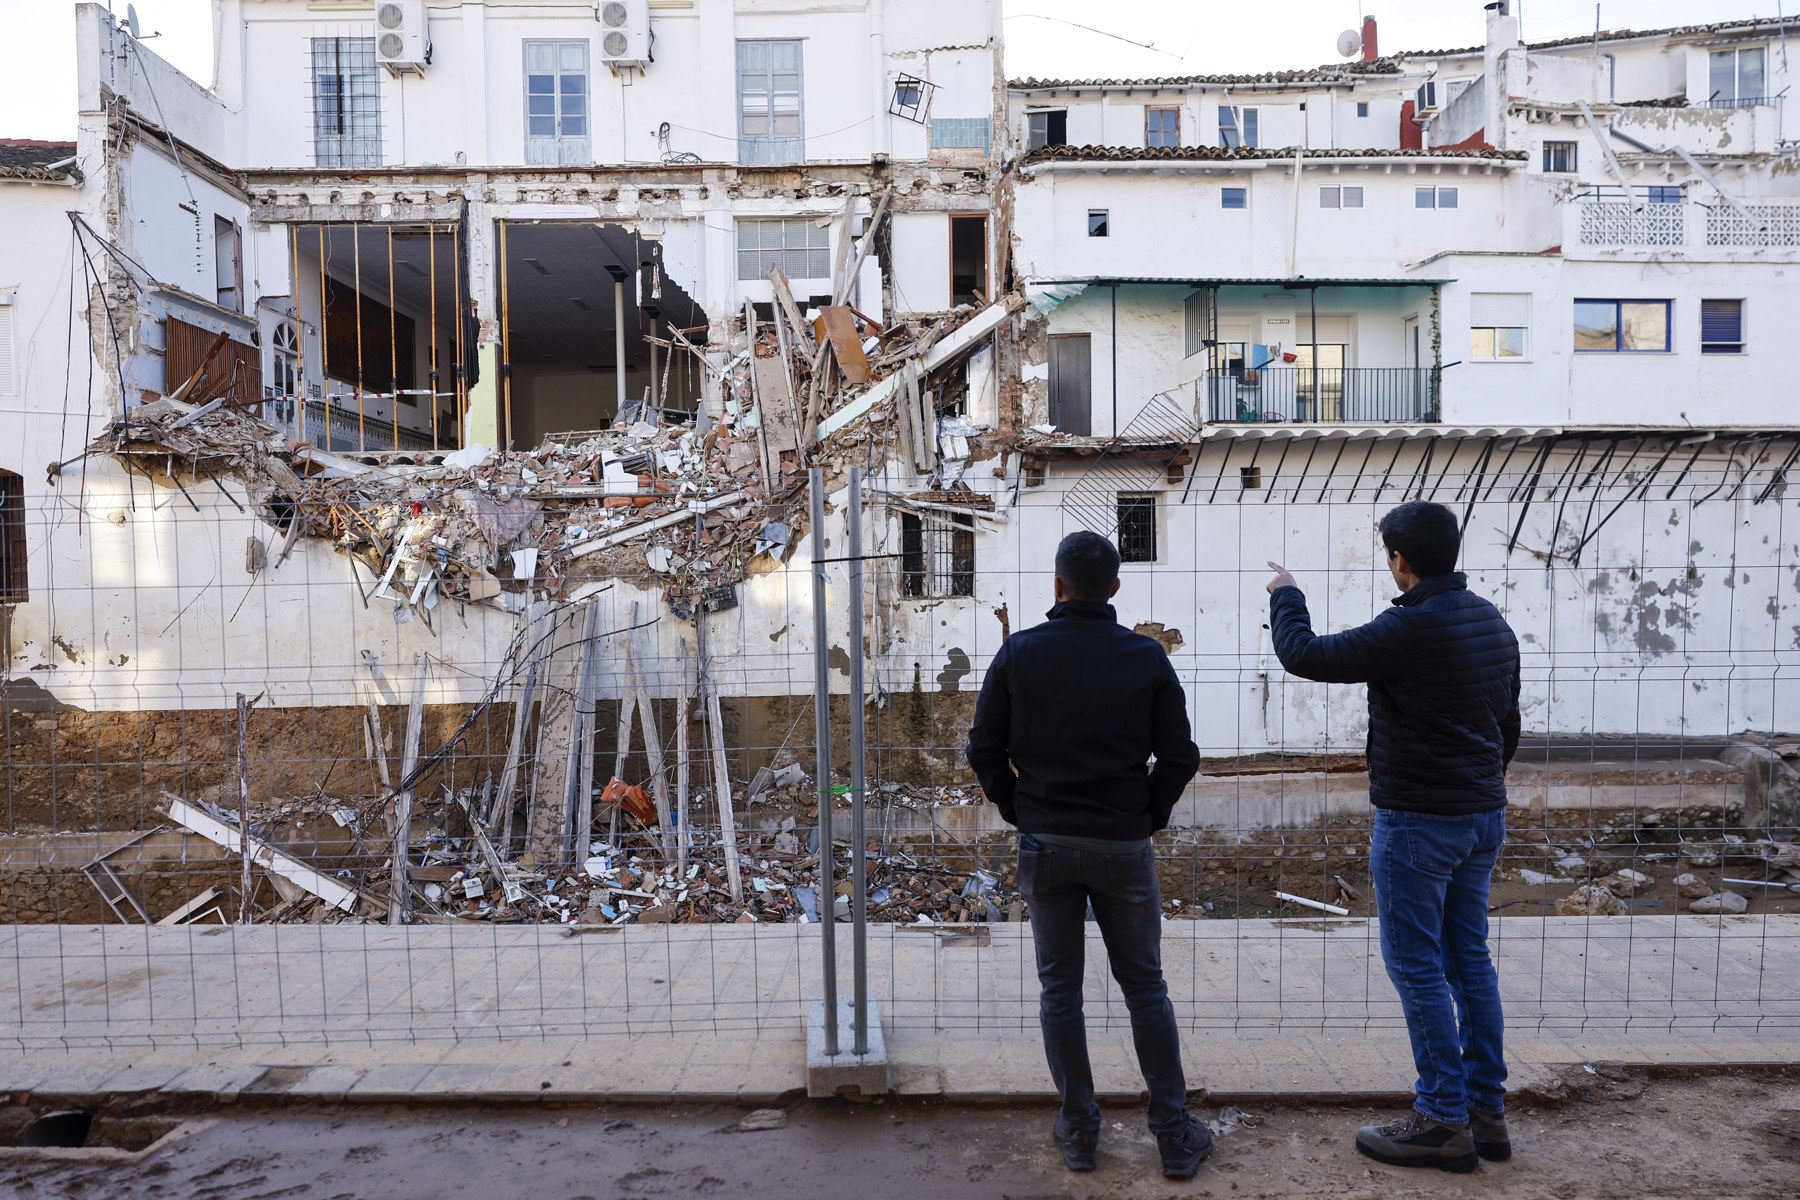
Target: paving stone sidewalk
<point>531,1013</point>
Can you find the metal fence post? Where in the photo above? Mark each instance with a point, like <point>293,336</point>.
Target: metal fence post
<point>859,883</point>
<point>827,887</point>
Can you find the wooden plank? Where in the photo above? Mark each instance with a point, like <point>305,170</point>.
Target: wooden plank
<point>415,724</point>
<point>243,789</point>
<point>197,820</point>
<point>848,281</point>
<point>556,729</point>
<point>653,753</point>
<point>683,839</point>
<point>837,325</point>
<point>715,728</point>
<point>581,802</point>
<point>795,324</point>
<point>500,814</point>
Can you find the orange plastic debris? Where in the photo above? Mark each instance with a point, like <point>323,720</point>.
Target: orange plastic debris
<point>631,798</point>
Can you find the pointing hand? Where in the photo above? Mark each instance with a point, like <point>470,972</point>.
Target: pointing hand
<point>1282,578</point>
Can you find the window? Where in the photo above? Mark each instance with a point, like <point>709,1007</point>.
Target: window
<point>1497,325</point>
<point>800,246</point>
<point>9,385</point>
<point>1664,194</point>
<point>284,376</point>
<point>556,103</point>
<point>1434,197</point>
<point>1162,127</point>
<point>770,125</point>
<point>1559,156</point>
<point>1071,383</point>
<point>1234,197</point>
<point>1721,327</point>
<point>937,556</point>
<point>1736,77</point>
<point>968,259</point>
<point>1340,197</point>
<point>1096,222</point>
<point>228,264</point>
<point>1137,528</point>
<point>1048,127</point>
<point>14,580</point>
<point>1362,108</point>
<point>1237,126</point>
<point>912,96</point>
<point>346,103</point>
<point>1622,326</point>
<point>1249,477</point>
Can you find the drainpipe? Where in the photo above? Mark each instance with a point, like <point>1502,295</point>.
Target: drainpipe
<point>878,66</point>
<point>1294,223</point>
<point>1115,359</point>
<point>619,341</point>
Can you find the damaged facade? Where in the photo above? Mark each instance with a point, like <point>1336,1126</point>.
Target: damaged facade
<point>453,401</point>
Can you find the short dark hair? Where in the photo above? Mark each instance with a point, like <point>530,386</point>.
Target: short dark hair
<point>1426,534</point>
<point>1088,566</point>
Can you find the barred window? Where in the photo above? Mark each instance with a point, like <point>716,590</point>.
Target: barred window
<point>937,556</point>
<point>1137,528</point>
<point>346,103</point>
<point>800,246</point>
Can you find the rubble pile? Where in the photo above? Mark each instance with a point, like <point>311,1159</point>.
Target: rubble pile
<point>683,501</point>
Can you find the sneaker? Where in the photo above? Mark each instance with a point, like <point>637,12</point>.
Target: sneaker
<point>1416,1140</point>
<point>1184,1150</point>
<point>1489,1131</point>
<point>1078,1146</point>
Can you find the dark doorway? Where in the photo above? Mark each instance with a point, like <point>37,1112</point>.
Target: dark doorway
<point>968,260</point>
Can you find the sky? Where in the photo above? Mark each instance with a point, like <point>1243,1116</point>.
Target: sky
<point>1044,38</point>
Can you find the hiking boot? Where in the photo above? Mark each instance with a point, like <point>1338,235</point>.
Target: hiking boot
<point>1078,1146</point>
<point>1416,1140</point>
<point>1184,1150</point>
<point>1489,1131</point>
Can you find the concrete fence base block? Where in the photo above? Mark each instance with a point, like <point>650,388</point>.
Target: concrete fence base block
<point>844,1072</point>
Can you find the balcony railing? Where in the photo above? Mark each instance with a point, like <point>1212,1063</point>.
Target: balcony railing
<point>1618,223</point>
<point>1767,225</point>
<point>337,429</point>
<point>1330,395</point>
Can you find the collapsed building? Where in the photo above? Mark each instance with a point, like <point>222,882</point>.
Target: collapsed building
<point>433,517</point>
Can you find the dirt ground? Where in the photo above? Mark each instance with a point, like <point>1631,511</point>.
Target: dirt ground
<point>1605,1134</point>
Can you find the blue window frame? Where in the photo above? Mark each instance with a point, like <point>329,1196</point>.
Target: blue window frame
<point>1234,197</point>
<point>1623,326</point>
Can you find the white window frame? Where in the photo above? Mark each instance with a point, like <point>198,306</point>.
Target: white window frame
<point>1247,132</point>
<point>1037,128</point>
<point>1737,75</point>
<point>1105,215</point>
<point>1486,310</point>
<point>1158,110</point>
<point>1436,192</point>
<point>560,146</point>
<point>1240,189</point>
<point>347,122</point>
<point>1340,195</point>
<point>802,248</point>
<point>777,104</point>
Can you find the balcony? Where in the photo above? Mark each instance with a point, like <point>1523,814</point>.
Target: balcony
<point>1620,223</point>
<point>1330,395</point>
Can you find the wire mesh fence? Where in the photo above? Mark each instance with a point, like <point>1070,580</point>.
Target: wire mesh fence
<point>582,801</point>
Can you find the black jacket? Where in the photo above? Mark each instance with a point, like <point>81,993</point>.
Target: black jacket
<point>1442,667</point>
<point>1079,705</point>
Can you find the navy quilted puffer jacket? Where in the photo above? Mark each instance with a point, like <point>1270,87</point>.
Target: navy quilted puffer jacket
<point>1442,667</point>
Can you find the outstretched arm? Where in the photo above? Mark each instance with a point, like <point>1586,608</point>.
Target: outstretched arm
<point>1353,656</point>
<point>989,751</point>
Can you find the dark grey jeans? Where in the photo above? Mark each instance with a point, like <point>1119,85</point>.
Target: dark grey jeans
<point>1058,884</point>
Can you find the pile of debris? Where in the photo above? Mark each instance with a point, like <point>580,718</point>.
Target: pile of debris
<point>681,501</point>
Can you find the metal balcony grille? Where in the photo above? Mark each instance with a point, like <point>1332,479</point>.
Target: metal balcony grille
<point>1333,395</point>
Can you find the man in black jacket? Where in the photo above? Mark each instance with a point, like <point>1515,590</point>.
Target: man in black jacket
<point>1070,714</point>
<point>1442,667</point>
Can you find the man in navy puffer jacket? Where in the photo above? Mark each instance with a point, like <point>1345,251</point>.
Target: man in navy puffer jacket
<point>1442,667</point>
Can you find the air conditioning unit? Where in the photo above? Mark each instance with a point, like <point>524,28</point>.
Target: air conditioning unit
<point>1427,99</point>
<point>402,42</point>
<point>624,32</point>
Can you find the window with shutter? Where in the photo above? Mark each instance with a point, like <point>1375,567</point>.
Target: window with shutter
<point>8,385</point>
<point>1721,327</point>
<point>1498,325</point>
<point>556,103</point>
<point>14,583</point>
<point>770,110</point>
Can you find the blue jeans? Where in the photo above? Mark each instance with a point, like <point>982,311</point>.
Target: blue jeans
<point>1431,882</point>
<point>1059,883</point>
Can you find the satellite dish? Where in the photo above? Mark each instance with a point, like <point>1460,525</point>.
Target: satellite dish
<point>1349,43</point>
<point>131,21</point>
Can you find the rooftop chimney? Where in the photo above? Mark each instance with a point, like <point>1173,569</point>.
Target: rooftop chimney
<point>1370,53</point>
